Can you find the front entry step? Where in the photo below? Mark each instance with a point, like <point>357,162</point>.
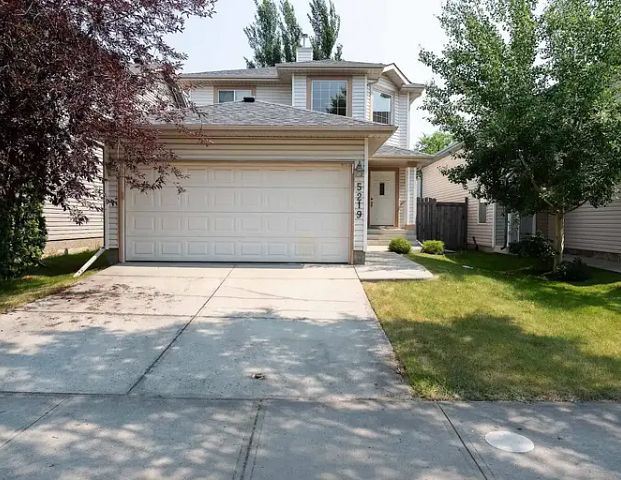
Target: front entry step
<point>379,236</point>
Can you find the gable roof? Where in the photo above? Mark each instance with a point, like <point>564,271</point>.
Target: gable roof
<point>331,62</point>
<point>282,70</point>
<point>451,149</point>
<point>240,73</point>
<point>398,152</point>
<point>258,114</point>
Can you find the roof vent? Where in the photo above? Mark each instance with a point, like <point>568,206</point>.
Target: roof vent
<point>249,99</point>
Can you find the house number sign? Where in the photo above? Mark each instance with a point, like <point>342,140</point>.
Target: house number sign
<point>359,200</point>
<point>359,190</point>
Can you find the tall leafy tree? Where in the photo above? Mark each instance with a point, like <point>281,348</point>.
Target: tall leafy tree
<point>434,142</point>
<point>264,35</point>
<point>290,31</point>
<point>74,73</point>
<point>534,93</point>
<point>326,24</point>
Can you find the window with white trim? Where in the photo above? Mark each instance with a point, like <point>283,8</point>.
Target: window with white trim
<point>233,95</point>
<point>329,96</point>
<point>382,107</point>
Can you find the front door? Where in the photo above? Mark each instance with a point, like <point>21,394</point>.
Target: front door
<point>382,205</point>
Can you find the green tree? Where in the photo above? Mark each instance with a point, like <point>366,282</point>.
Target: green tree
<point>264,35</point>
<point>434,143</point>
<point>534,96</point>
<point>290,31</point>
<point>326,25</point>
<point>22,233</point>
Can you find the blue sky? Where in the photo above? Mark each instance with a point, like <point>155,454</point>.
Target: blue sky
<point>371,30</point>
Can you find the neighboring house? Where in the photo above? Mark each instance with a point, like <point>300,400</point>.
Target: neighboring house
<point>304,159</point>
<point>589,231</point>
<point>64,234</point>
<point>486,222</point>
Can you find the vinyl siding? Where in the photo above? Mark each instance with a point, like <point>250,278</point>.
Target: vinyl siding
<point>274,93</point>
<point>411,196</point>
<point>436,185</point>
<point>60,225</point>
<point>403,197</point>
<point>401,111</point>
<point>358,97</point>
<point>298,83</point>
<point>594,229</point>
<point>266,150</point>
<point>202,96</point>
<point>402,114</point>
<point>481,232</point>
<point>112,213</point>
<point>369,102</point>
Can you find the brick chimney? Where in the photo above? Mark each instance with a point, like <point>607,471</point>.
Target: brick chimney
<point>304,53</point>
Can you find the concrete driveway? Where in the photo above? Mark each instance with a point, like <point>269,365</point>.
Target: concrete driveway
<point>236,371</point>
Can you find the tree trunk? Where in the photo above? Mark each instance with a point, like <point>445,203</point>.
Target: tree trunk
<point>559,243</point>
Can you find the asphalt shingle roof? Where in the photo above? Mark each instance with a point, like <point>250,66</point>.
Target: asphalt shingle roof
<point>391,151</point>
<point>264,114</point>
<point>272,72</point>
<point>264,72</point>
<point>330,62</point>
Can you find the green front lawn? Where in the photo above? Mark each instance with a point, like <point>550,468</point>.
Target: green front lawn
<point>496,331</point>
<point>54,275</point>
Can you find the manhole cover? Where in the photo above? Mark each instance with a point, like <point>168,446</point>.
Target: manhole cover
<point>509,441</point>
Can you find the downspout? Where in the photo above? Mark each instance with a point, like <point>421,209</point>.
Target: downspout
<point>90,261</point>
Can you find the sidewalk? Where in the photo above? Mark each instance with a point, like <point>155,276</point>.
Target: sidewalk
<point>132,437</point>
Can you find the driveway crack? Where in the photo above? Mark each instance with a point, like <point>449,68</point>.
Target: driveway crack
<point>463,442</point>
<point>177,335</point>
<point>250,449</point>
<point>31,424</point>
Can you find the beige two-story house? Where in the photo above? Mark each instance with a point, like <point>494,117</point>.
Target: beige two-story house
<point>589,232</point>
<point>303,159</point>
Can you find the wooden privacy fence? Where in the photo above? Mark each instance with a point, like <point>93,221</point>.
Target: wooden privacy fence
<point>446,221</point>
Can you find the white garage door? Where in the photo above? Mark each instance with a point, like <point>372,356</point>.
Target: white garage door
<point>242,213</point>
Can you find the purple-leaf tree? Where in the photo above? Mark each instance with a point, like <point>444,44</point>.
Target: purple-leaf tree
<point>75,74</point>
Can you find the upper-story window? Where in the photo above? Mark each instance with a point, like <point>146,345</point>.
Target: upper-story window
<point>233,95</point>
<point>329,95</point>
<point>382,107</point>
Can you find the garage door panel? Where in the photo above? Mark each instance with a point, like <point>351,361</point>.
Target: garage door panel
<point>264,225</point>
<point>240,213</point>
<point>218,199</point>
<point>232,249</point>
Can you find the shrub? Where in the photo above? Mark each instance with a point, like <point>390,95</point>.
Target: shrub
<point>400,245</point>
<point>22,236</point>
<point>434,247</point>
<point>534,247</point>
<point>572,271</point>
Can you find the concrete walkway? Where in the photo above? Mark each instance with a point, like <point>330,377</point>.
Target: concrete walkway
<point>384,265</point>
<point>251,372</point>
